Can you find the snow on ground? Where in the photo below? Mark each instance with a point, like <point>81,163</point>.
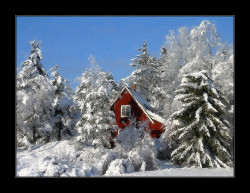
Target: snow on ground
<point>179,172</point>
<point>61,159</point>
<point>170,170</point>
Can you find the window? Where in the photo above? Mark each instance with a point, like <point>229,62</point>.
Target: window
<point>125,111</point>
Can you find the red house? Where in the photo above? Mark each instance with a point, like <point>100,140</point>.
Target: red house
<point>131,104</point>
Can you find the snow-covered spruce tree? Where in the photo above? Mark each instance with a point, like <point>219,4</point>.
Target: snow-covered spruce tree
<point>201,48</point>
<point>94,96</point>
<point>81,92</point>
<point>201,132</point>
<point>147,76</point>
<point>139,76</point>
<point>62,103</point>
<point>34,100</point>
<point>86,84</point>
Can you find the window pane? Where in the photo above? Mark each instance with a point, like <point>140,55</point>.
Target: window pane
<point>122,111</point>
<point>125,110</point>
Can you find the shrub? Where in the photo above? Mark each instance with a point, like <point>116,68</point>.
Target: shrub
<point>137,145</point>
<point>120,166</point>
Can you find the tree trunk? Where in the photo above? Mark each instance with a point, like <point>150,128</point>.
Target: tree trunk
<point>60,128</point>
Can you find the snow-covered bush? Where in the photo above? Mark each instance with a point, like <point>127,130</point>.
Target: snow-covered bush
<point>163,149</point>
<point>137,145</point>
<point>107,158</point>
<point>22,140</point>
<point>98,156</point>
<point>51,166</point>
<point>78,143</point>
<point>166,144</point>
<point>144,154</point>
<point>61,159</point>
<point>120,166</point>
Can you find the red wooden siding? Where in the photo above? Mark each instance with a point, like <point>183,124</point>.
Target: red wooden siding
<point>126,99</point>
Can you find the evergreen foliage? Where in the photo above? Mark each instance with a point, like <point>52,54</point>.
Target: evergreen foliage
<point>34,100</point>
<point>62,104</point>
<point>195,61</point>
<point>200,130</point>
<point>93,96</point>
<point>147,77</point>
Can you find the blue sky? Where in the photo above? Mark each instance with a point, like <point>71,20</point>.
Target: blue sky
<point>68,41</point>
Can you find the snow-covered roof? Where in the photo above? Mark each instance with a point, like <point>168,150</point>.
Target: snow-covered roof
<point>143,104</point>
<point>156,117</point>
<point>139,98</point>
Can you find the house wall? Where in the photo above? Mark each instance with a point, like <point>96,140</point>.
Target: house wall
<point>156,129</point>
<point>136,112</point>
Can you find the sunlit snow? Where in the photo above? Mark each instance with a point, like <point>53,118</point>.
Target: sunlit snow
<point>61,159</point>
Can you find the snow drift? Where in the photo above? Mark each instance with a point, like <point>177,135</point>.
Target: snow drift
<point>60,159</point>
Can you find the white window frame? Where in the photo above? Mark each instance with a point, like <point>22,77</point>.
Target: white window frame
<point>125,107</point>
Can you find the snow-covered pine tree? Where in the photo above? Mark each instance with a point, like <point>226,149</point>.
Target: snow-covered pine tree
<point>94,95</point>
<point>141,62</point>
<point>86,84</point>
<point>147,76</point>
<point>62,103</point>
<point>201,48</point>
<point>201,132</point>
<point>34,100</point>
<point>143,59</point>
<point>81,92</point>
